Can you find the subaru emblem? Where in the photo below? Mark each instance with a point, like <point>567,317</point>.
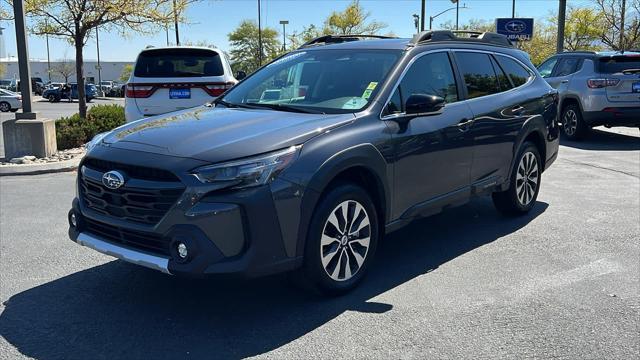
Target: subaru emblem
<point>112,180</point>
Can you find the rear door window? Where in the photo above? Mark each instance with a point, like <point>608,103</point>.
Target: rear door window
<point>567,66</point>
<point>479,76</point>
<point>517,73</point>
<point>617,64</point>
<point>164,63</point>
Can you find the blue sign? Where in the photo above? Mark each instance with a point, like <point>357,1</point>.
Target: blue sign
<point>516,29</point>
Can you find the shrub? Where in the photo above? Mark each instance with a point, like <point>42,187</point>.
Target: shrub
<point>74,131</point>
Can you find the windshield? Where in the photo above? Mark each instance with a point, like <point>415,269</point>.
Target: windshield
<point>331,81</point>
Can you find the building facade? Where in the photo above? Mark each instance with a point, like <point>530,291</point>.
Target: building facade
<point>110,70</point>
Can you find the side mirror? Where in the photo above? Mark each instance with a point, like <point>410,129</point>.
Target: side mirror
<point>241,75</point>
<point>423,103</point>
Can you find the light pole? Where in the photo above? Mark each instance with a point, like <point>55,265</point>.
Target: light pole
<point>422,12</point>
<point>562,11</point>
<point>99,67</point>
<point>175,21</point>
<point>431,18</point>
<point>416,22</point>
<point>259,36</point>
<point>513,9</point>
<point>284,34</point>
<point>46,25</point>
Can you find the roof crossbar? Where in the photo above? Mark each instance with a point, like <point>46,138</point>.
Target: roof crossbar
<point>336,39</point>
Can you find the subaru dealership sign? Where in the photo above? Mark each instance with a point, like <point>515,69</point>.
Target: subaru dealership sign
<point>516,29</point>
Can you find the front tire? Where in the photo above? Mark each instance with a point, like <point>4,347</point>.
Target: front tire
<point>341,241</point>
<point>524,183</point>
<point>573,125</point>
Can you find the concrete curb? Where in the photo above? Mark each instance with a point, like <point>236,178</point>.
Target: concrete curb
<point>34,169</point>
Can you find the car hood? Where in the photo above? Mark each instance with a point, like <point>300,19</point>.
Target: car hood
<point>219,134</point>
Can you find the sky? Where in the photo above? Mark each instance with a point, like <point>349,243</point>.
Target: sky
<point>213,20</point>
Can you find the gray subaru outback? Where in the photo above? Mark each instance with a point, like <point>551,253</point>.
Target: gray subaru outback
<point>595,89</point>
<point>309,161</point>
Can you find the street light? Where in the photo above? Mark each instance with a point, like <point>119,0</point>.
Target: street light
<point>464,6</point>
<point>284,34</point>
<point>416,22</point>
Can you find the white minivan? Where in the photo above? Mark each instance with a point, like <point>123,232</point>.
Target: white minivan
<point>174,78</point>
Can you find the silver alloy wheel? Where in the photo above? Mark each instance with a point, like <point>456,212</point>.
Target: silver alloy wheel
<point>4,107</point>
<point>345,240</point>
<point>570,122</point>
<point>527,178</point>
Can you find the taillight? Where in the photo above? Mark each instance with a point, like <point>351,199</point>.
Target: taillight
<point>217,89</point>
<point>602,83</point>
<point>19,98</point>
<point>139,91</point>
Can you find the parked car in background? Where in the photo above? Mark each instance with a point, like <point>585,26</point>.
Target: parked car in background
<point>596,88</point>
<point>10,101</point>
<point>172,78</point>
<point>5,84</point>
<point>307,163</point>
<point>37,85</point>
<point>55,94</point>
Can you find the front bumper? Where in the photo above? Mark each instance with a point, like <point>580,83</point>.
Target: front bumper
<point>613,116</point>
<point>226,232</point>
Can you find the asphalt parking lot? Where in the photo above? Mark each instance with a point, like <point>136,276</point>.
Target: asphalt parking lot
<point>54,111</point>
<point>562,282</point>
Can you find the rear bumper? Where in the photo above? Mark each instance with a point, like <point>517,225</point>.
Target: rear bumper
<point>613,116</point>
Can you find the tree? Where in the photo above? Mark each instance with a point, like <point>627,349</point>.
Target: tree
<point>76,20</point>
<point>480,25</point>
<point>245,49</point>
<point>308,33</point>
<point>612,12</point>
<point>65,68</point>
<point>583,28</point>
<point>352,20</point>
<point>126,72</point>
<point>3,69</point>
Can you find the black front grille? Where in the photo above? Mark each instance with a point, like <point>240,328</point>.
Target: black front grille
<point>143,199</point>
<point>138,172</point>
<point>135,239</point>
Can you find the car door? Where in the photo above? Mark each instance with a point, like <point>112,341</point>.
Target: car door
<point>499,112</point>
<point>432,151</point>
<point>563,71</point>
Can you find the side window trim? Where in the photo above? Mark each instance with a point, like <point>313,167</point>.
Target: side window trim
<point>396,85</point>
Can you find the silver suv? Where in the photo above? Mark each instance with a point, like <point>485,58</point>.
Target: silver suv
<point>595,89</point>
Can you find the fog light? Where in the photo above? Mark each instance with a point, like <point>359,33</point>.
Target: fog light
<point>182,251</point>
<point>73,220</point>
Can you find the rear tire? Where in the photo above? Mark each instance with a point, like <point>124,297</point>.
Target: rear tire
<point>341,241</point>
<point>5,106</point>
<point>524,183</point>
<point>51,98</point>
<point>573,125</point>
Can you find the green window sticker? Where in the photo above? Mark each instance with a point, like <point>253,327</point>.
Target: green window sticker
<point>367,93</point>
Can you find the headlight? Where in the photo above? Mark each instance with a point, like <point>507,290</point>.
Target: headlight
<point>96,140</point>
<point>253,171</point>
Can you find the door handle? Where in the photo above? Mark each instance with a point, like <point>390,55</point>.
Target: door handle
<point>464,124</point>
<point>564,81</point>
<point>517,110</point>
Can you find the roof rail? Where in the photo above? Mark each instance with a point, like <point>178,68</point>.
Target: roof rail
<point>578,52</point>
<point>452,35</point>
<point>336,39</point>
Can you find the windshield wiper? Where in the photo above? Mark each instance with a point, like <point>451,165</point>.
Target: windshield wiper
<point>284,107</point>
<point>230,105</point>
